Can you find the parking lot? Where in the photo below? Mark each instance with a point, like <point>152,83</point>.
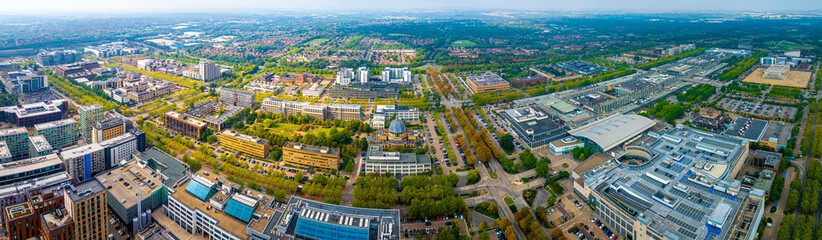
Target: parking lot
<point>759,109</point>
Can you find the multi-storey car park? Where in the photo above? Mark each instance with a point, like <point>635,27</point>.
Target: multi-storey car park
<point>670,183</point>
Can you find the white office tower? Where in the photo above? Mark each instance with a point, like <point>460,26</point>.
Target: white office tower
<point>362,74</point>
<point>208,70</point>
<point>396,75</point>
<point>344,76</point>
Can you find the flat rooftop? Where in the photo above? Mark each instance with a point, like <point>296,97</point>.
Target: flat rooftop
<point>139,178</point>
<point>79,151</point>
<point>84,189</point>
<point>189,120</point>
<point>18,210</point>
<point>54,124</point>
<point>747,128</point>
<point>687,184</point>
<point>13,131</point>
<point>29,164</point>
<point>326,221</point>
<point>171,168</point>
<point>244,137</point>
<point>57,218</point>
<point>225,221</point>
<point>487,80</point>
<point>779,132</point>
<point>40,143</point>
<point>5,153</point>
<point>313,149</point>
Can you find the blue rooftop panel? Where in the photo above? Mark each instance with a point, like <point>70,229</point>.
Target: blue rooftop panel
<point>239,210</point>
<point>199,191</point>
<point>318,230</point>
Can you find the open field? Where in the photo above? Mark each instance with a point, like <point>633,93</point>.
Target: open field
<point>794,79</point>
<point>463,43</point>
<point>318,41</point>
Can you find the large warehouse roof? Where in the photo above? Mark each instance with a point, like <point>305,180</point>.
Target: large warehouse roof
<point>614,130</point>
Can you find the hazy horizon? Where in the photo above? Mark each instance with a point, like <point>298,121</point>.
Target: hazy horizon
<point>38,7</point>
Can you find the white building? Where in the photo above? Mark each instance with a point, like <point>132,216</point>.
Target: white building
<point>384,113</point>
<point>314,90</point>
<point>396,75</point>
<point>119,149</point>
<point>84,162</point>
<point>344,76</point>
<point>208,70</point>
<point>377,161</point>
<point>144,63</point>
<point>362,74</point>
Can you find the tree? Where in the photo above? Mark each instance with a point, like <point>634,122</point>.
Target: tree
<point>542,167</point>
<point>556,234</point>
<point>528,159</point>
<point>507,142</point>
<point>473,176</point>
<point>298,176</point>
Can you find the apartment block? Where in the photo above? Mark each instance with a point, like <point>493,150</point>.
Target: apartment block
<point>58,133</point>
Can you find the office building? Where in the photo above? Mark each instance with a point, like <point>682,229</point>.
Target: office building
<point>565,145</point>
<point>533,126</point>
<point>107,129</point>
<point>529,81</point>
<point>367,91</point>
<point>27,115</point>
<point>311,156</point>
<point>223,210</point>
<point>77,70</point>
<point>58,57</point>
<point>711,119</point>
<point>362,74</point>
<point>87,203</point>
<point>610,132</point>
<point>184,125</point>
<point>307,219</point>
<point>250,145</point>
<point>207,111</point>
<point>236,97</point>
<point>378,161</point>
<point>776,135</point>
<point>314,90</point>
<point>397,136</point>
<point>60,133</point>
<point>766,160</point>
<point>25,81</point>
<point>344,76</point>
<point>396,75</point>
<point>776,71</point>
<point>17,142</point>
<point>39,146</point>
<point>384,113</point>
<point>123,184</point>
<point>319,111</point>
<point>30,168</point>
<point>149,89</point>
<point>83,162</point>
<point>486,83</point>
<point>89,115</point>
<point>734,52</point>
<point>674,183</point>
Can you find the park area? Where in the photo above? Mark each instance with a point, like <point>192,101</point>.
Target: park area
<point>798,79</point>
<point>463,43</point>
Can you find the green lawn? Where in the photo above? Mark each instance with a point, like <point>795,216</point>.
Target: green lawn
<point>789,46</point>
<point>318,41</point>
<point>463,43</point>
<point>288,129</point>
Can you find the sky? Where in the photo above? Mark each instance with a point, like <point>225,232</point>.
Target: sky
<point>215,6</point>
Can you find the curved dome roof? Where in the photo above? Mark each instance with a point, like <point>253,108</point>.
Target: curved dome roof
<point>397,127</point>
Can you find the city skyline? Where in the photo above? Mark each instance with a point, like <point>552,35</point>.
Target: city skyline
<point>39,7</point>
